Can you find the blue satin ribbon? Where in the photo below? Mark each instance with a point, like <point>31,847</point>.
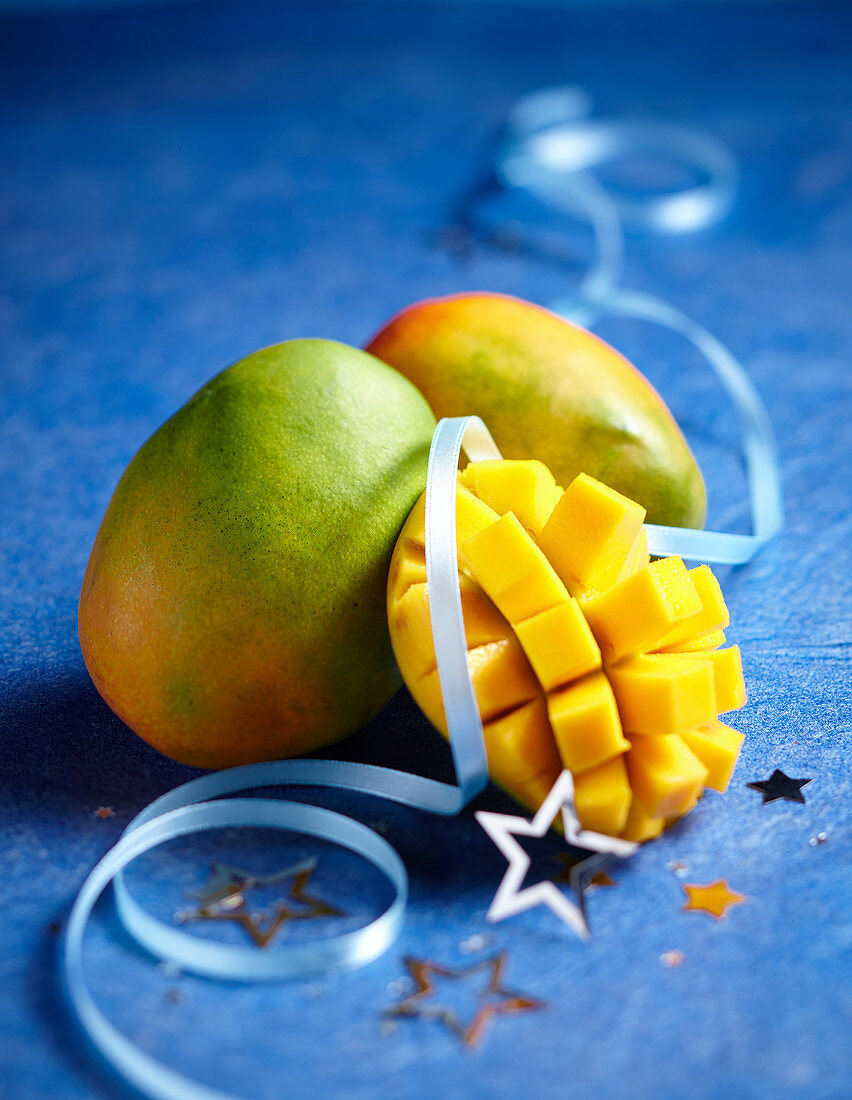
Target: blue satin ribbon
<point>191,808</point>
<point>551,146</point>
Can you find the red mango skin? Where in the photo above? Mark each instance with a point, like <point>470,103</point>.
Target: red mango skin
<point>550,390</point>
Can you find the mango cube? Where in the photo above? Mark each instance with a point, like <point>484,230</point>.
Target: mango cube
<point>637,556</point>
<point>728,684</point>
<point>641,825</point>
<point>589,534</point>
<point>472,515</point>
<point>602,797</point>
<point>633,615</point>
<point>407,569</point>
<point>412,626</point>
<point>508,565</point>
<point>711,616</point>
<point>664,693</point>
<point>728,681</point>
<point>559,644</point>
<point>717,746</point>
<point>585,723</point>
<point>713,640</point>
<point>665,775</point>
<point>502,680</point>
<point>412,614</point>
<point>520,746</point>
<point>524,487</point>
<point>533,792</point>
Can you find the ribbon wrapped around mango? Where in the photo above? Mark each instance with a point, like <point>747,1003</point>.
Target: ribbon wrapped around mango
<point>582,652</point>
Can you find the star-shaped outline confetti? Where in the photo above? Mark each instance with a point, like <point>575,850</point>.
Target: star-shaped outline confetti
<point>715,898</point>
<point>223,897</point>
<point>511,898</point>
<point>422,972</point>
<point>779,785</point>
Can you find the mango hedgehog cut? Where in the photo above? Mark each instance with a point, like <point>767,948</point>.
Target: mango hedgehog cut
<point>583,653</point>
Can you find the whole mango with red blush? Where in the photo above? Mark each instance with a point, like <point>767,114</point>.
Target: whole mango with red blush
<point>233,607</point>
<point>550,390</point>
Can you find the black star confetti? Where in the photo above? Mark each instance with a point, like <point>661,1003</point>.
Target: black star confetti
<point>779,785</point>
<point>495,999</point>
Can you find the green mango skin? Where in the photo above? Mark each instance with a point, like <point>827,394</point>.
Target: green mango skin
<point>550,390</point>
<point>233,608</point>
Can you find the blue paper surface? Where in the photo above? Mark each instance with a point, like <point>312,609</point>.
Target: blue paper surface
<point>181,186</point>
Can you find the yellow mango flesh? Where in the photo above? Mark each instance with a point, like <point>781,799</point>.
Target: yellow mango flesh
<point>664,693</point>
<point>640,825</point>
<point>472,516</point>
<point>512,570</point>
<point>602,797</point>
<point>711,615</point>
<point>666,777</point>
<point>633,615</point>
<point>585,722</point>
<point>559,644</point>
<point>519,747</point>
<point>728,681</point>
<point>712,640</point>
<point>717,747</point>
<point>502,681</point>
<point>622,686</point>
<point>589,534</point>
<point>524,486</point>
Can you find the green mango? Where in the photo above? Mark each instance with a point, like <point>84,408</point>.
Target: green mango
<point>233,607</point>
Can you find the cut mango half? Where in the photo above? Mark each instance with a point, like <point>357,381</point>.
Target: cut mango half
<point>583,653</point>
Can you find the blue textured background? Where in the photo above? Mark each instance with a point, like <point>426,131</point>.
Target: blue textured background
<point>182,186</point>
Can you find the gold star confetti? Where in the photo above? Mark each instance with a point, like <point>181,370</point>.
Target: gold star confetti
<point>671,958</point>
<point>224,898</point>
<point>715,898</point>
<point>103,811</point>
<point>504,1001</point>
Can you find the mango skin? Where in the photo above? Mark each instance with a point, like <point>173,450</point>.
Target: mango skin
<point>233,607</point>
<point>550,390</point>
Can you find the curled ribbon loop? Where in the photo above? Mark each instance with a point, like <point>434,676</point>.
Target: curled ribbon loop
<point>551,147</point>
<point>192,808</point>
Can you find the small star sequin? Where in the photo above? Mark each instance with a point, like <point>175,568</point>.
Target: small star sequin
<point>715,898</point>
<point>671,958</point>
<point>495,1000</point>
<point>779,785</point>
<point>103,812</point>
<point>224,898</point>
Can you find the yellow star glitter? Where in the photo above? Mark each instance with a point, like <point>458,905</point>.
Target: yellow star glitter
<point>715,898</point>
